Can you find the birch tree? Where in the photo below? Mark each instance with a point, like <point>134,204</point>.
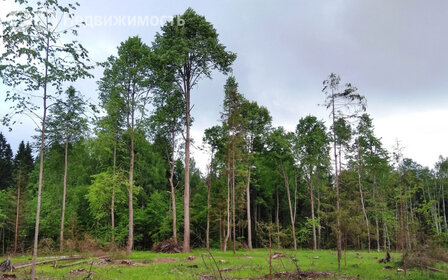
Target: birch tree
<point>128,75</point>
<point>188,49</point>
<point>342,101</point>
<point>40,56</point>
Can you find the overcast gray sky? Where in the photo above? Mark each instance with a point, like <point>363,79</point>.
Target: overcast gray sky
<point>393,51</point>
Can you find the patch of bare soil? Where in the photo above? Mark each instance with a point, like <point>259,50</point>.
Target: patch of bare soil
<point>287,275</point>
<point>166,260</point>
<point>8,276</point>
<point>299,275</point>
<point>78,271</point>
<point>127,262</point>
<point>278,255</point>
<point>100,262</point>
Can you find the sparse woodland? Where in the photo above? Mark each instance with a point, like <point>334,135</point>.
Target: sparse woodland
<point>119,173</point>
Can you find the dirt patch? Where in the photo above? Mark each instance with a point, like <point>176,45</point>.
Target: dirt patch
<point>100,263</point>
<point>288,275</point>
<point>278,255</point>
<point>78,271</point>
<point>299,275</point>
<point>166,260</point>
<point>126,262</point>
<point>167,246</point>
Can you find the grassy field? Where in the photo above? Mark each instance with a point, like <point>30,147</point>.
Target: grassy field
<point>244,264</point>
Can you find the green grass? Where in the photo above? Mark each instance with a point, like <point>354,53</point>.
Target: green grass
<point>244,264</point>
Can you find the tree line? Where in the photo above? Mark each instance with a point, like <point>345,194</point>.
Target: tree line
<point>117,171</point>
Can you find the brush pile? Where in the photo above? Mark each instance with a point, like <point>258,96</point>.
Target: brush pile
<point>167,246</point>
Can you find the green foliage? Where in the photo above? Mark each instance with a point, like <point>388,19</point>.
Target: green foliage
<point>67,121</point>
<point>39,53</point>
<point>100,192</point>
<point>187,49</point>
<point>6,164</point>
<point>157,216</point>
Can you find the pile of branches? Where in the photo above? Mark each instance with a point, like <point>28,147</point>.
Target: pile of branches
<point>6,266</point>
<point>167,246</point>
<point>426,256</point>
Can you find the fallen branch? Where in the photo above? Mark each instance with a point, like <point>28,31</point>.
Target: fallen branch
<point>71,264</point>
<point>48,261</point>
<point>433,268</point>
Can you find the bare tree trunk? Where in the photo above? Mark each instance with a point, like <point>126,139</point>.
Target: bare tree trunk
<point>444,210</point>
<point>171,180</point>
<point>249,222</point>
<point>295,196</point>
<point>318,214</point>
<point>375,189</point>
<point>207,232</point>
<point>41,167</point>
<point>285,178</point>
<point>112,205</point>
<point>186,247</point>
<point>363,206</point>
<point>233,198</point>
<point>16,232</point>
<point>385,236</point>
<point>408,234</point>
<point>403,250</point>
<point>130,243</point>
<point>312,212</point>
<point>338,210</point>
<point>228,203</point>
<point>131,127</point>
<point>277,220</point>
<point>220,234</point>
<point>64,194</point>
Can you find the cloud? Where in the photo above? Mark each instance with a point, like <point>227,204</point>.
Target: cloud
<point>393,51</point>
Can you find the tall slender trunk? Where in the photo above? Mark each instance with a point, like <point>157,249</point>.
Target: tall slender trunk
<point>338,211</point>
<point>318,210</point>
<point>233,197</point>
<point>16,232</point>
<point>402,237</point>
<point>408,233</point>
<point>312,212</point>
<point>362,203</point>
<point>130,243</point>
<point>254,210</point>
<point>207,232</point>
<point>295,196</point>
<point>130,201</point>
<point>285,178</point>
<point>277,220</point>
<point>41,167</point>
<point>249,222</point>
<point>444,210</point>
<point>186,247</point>
<point>220,234</point>
<point>112,203</point>
<point>64,194</point>
<point>375,190</point>
<point>228,203</point>
<point>385,235</point>
<point>171,180</point>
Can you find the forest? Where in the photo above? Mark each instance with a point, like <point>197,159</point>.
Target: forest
<point>118,175</point>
